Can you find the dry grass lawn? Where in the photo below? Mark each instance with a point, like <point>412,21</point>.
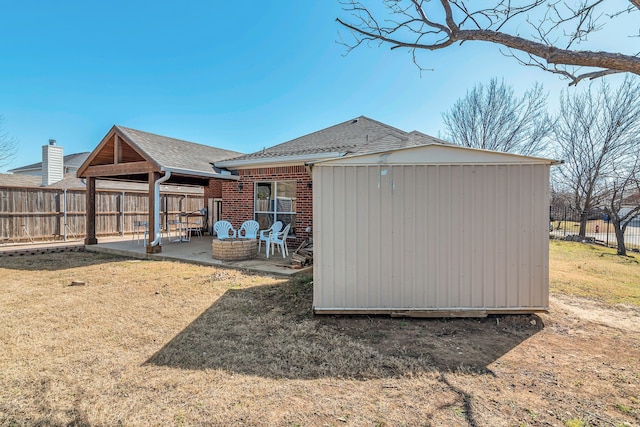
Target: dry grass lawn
<point>164,343</point>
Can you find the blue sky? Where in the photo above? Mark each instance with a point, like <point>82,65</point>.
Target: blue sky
<point>236,75</point>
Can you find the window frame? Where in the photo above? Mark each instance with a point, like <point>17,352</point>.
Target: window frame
<point>274,202</point>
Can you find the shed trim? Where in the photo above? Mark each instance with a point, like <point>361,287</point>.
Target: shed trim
<point>380,157</point>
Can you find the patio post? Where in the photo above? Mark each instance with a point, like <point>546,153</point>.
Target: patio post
<point>90,238</point>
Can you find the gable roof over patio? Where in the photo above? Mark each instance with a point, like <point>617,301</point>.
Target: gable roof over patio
<point>137,156</point>
<point>130,155</point>
<point>357,136</point>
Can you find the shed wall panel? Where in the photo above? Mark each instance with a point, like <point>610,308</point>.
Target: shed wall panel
<point>430,237</point>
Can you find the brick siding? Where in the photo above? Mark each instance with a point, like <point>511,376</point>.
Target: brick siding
<point>234,249</point>
<point>213,191</point>
<point>238,204</point>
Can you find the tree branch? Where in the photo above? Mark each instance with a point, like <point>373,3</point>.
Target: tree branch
<point>437,25</point>
<point>610,62</point>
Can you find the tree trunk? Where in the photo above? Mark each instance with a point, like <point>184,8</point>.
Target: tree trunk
<point>583,224</point>
<point>622,249</point>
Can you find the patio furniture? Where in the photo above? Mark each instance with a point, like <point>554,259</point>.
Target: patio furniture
<point>194,226</point>
<point>224,230</point>
<point>249,229</point>
<point>179,228</point>
<point>280,239</point>
<point>265,235</point>
<point>140,227</point>
<point>172,224</point>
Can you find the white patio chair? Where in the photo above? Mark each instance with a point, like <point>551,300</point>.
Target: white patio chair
<point>249,229</point>
<point>265,235</point>
<point>173,225</point>
<point>279,239</point>
<point>140,227</point>
<point>224,230</point>
<point>196,227</point>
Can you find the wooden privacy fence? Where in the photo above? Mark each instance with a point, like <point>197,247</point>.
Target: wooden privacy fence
<point>28,214</point>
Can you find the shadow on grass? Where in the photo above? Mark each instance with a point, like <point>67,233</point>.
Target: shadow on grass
<point>270,331</point>
<point>57,261</point>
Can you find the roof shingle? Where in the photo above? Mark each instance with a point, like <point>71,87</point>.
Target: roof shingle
<point>69,161</point>
<point>175,153</point>
<point>356,136</point>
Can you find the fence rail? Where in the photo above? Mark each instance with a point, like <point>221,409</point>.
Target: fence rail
<point>565,221</point>
<point>29,214</point>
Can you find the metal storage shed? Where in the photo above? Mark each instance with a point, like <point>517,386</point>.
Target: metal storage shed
<point>434,230</point>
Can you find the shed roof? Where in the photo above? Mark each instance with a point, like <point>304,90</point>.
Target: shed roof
<point>359,135</point>
<point>131,154</point>
<point>434,153</point>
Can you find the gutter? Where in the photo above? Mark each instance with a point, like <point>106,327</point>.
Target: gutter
<point>156,210</point>
<point>201,174</point>
<point>301,158</point>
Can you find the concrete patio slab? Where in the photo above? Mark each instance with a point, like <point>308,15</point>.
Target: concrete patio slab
<point>197,251</point>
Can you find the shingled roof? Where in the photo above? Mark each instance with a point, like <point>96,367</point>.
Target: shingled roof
<point>19,180</point>
<point>357,136</point>
<point>141,152</point>
<point>174,153</point>
<point>69,161</point>
<point>71,182</point>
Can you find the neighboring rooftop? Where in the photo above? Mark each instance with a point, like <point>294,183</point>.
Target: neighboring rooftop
<point>71,182</point>
<point>70,161</point>
<point>19,180</point>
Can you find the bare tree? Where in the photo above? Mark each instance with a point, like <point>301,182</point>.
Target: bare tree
<point>493,118</point>
<point>597,136</point>
<point>539,33</point>
<point>8,145</point>
<point>622,204</point>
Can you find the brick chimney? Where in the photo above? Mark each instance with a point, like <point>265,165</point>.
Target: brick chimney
<point>52,163</point>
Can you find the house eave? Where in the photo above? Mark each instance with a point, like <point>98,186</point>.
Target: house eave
<point>200,174</point>
<point>277,160</point>
<point>23,169</point>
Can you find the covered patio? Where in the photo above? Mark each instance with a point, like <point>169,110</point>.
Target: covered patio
<point>131,155</point>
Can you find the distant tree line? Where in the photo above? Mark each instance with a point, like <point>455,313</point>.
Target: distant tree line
<point>596,134</point>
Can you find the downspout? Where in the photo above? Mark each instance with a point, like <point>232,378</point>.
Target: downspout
<point>156,210</point>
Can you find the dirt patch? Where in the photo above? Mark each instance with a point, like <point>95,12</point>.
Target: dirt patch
<point>161,343</point>
<point>618,316</point>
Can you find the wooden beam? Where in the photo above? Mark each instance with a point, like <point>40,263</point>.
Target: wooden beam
<point>117,150</point>
<point>90,238</point>
<point>153,177</point>
<point>121,169</point>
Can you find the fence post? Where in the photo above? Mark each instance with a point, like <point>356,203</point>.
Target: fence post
<point>166,213</point>
<point>64,209</point>
<point>122,214</point>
